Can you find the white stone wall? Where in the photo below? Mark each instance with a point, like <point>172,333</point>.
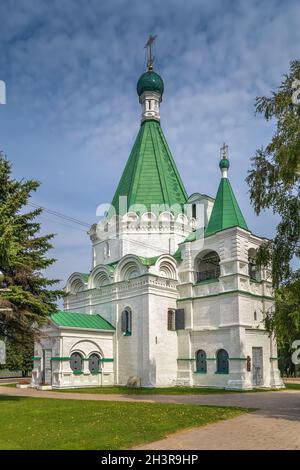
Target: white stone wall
<point>227,313</point>
<point>223,314</point>
<point>64,342</point>
<point>162,342</point>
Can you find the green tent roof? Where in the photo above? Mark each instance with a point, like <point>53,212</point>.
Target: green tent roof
<point>226,212</point>
<point>81,320</point>
<point>150,175</point>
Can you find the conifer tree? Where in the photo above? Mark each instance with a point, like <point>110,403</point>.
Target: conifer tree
<point>27,297</point>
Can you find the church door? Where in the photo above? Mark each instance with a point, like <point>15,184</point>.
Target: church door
<point>47,371</point>
<point>257,366</point>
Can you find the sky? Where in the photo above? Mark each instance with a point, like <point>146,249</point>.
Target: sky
<point>72,112</point>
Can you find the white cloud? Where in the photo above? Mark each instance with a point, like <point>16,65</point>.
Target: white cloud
<point>72,112</point>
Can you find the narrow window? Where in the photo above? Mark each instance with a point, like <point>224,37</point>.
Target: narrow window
<point>179,319</point>
<point>222,362</point>
<point>126,322</point>
<point>201,364</point>
<point>171,320</point>
<point>194,211</point>
<point>253,270</point>
<point>106,250</point>
<point>76,362</point>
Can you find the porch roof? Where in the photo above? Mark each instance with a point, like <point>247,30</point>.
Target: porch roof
<point>81,320</point>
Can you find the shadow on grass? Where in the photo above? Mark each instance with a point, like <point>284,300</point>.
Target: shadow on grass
<point>10,398</point>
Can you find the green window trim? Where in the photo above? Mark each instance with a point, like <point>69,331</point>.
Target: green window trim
<point>254,281</point>
<point>107,359</point>
<point>57,358</point>
<point>127,333</point>
<point>78,372</point>
<point>235,291</point>
<point>237,358</point>
<point>37,358</point>
<point>96,373</point>
<point>186,359</point>
<point>274,358</point>
<point>207,281</point>
<point>200,372</point>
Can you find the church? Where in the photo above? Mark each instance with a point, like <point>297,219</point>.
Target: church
<point>174,296</point>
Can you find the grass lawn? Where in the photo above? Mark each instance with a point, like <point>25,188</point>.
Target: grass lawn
<point>41,423</point>
<point>156,391</point>
<point>292,386</point>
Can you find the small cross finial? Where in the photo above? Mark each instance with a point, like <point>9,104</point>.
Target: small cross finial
<point>148,46</point>
<point>224,151</point>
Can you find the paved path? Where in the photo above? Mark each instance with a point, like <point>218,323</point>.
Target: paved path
<point>275,424</point>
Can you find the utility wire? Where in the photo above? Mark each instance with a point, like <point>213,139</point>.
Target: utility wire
<point>58,214</point>
<point>78,222</point>
<point>61,223</point>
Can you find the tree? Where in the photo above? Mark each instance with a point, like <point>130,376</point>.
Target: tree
<point>274,179</point>
<point>285,321</point>
<point>26,296</point>
<point>274,182</point>
<point>19,356</point>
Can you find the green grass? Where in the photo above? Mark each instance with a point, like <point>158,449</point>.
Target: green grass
<point>122,390</point>
<point>41,423</point>
<point>8,385</point>
<point>117,389</point>
<point>292,386</point>
<point>156,391</point>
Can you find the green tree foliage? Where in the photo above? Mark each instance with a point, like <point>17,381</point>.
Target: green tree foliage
<point>274,179</point>
<point>287,318</point>
<point>19,355</point>
<point>26,296</point>
<point>286,323</point>
<point>274,182</point>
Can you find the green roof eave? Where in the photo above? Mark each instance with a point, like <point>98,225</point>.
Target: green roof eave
<point>227,228</point>
<point>81,320</point>
<point>149,261</point>
<point>177,255</point>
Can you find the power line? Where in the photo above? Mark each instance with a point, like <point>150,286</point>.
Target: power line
<point>60,215</point>
<point>61,223</point>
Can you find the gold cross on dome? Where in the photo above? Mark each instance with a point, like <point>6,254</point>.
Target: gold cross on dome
<point>224,151</point>
<point>148,46</point>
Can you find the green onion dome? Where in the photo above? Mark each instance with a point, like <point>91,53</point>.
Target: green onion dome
<point>150,81</point>
<point>224,163</point>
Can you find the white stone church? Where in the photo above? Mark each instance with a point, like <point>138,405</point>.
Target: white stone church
<point>173,296</point>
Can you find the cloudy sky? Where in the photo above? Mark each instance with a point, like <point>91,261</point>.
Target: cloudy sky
<point>72,112</point>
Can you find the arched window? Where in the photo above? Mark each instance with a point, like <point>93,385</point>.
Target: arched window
<point>171,320</point>
<point>76,362</point>
<point>201,364</point>
<point>208,266</point>
<point>252,268</point>
<point>106,250</point>
<point>94,363</point>
<point>126,322</point>
<point>222,362</point>
<point>194,210</point>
